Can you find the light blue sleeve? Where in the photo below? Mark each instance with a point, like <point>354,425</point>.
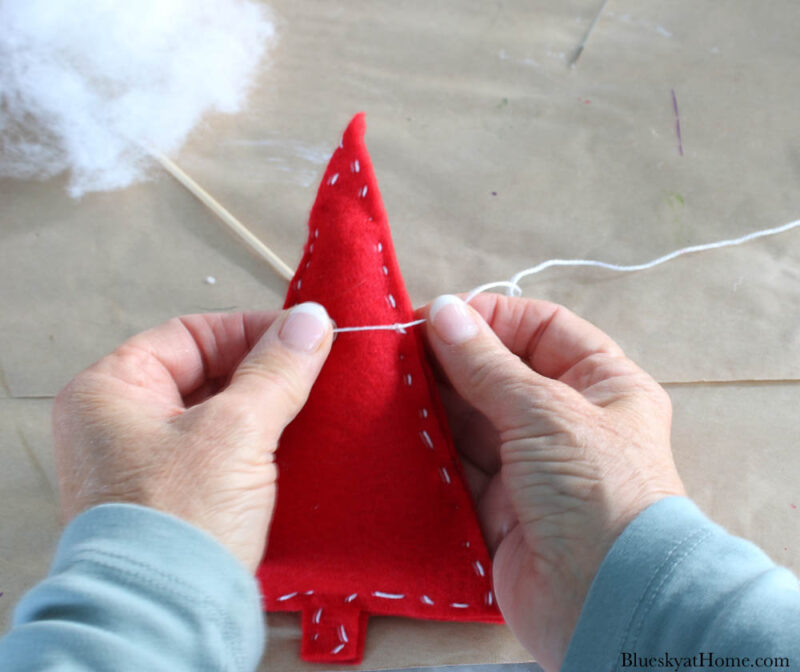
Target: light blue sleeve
<point>132,588</point>
<point>677,592</point>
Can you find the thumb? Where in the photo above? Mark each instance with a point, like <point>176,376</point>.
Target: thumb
<point>277,374</point>
<point>484,371</point>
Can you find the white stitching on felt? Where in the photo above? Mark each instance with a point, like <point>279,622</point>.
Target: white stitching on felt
<point>332,179</point>
<point>426,438</point>
<point>337,649</point>
<point>355,166</point>
<point>362,193</point>
<point>299,283</point>
<point>428,441</point>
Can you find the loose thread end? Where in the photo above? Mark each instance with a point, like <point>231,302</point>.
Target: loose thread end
<point>513,288</point>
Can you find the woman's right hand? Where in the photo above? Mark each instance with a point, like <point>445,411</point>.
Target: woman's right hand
<point>564,441</point>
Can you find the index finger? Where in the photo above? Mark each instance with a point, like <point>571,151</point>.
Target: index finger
<point>550,338</point>
<point>183,353</point>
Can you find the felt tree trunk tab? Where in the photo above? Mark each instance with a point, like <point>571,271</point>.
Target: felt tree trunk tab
<point>373,515</point>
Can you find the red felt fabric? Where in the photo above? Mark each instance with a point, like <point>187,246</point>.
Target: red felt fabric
<point>373,515</point>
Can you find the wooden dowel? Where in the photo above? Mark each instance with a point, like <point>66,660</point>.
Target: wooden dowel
<point>227,218</point>
<point>574,60</point>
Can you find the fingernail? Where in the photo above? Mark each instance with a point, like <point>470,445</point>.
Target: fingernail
<point>305,327</point>
<point>451,319</point>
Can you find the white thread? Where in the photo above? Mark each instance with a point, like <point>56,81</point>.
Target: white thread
<point>660,260</point>
<point>332,179</point>
<point>311,248</point>
<point>355,166</point>
<point>317,615</point>
<point>350,598</point>
<point>338,649</point>
<point>445,475</point>
<point>515,290</point>
<point>309,592</point>
<point>299,284</point>
<point>385,271</point>
<point>426,438</point>
<point>316,233</point>
<point>343,634</point>
<point>363,192</point>
<point>489,598</point>
<point>316,635</point>
<point>288,596</point>
<point>379,247</point>
<point>459,605</point>
<point>398,327</point>
<point>409,379</point>
<point>388,596</point>
<point>478,568</point>
<point>426,600</point>
<point>424,412</point>
<point>391,301</point>
<point>466,544</point>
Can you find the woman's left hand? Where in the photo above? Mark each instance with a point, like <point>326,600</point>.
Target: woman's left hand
<point>186,417</point>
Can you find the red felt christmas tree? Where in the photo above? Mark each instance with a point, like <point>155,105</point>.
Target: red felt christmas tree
<point>373,515</point>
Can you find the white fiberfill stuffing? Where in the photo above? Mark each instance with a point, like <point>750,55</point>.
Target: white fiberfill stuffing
<point>88,85</point>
